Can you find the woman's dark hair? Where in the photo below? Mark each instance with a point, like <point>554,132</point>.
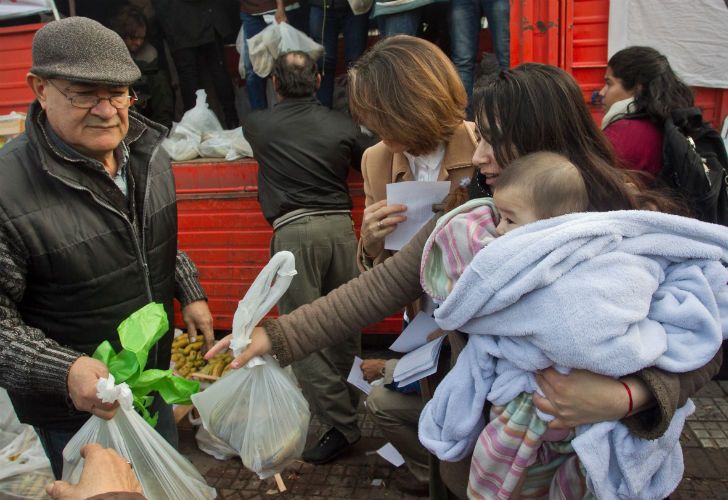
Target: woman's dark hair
<point>127,20</point>
<point>658,90</point>
<point>537,107</point>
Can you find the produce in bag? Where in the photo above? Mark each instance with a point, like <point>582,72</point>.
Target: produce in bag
<point>162,471</point>
<point>276,39</point>
<point>258,409</point>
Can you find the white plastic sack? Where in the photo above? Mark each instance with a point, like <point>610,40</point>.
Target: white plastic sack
<point>264,48</point>
<point>359,7</point>
<point>210,444</point>
<point>182,144</point>
<point>258,409</point>
<point>228,144</point>
<point>24,468</point>
<point>163,473</point>
<point>201,119</point>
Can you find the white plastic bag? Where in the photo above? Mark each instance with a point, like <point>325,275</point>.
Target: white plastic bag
<point>275,39</point>
<point>239,146</point>
<point>201,119</point>
<point>210,444</point>
<point>292,39</point>
<point>24,467</point>
<point>258,409</point>
<point>228,144</point>
<point>162,471</point>
<point>241,47</point>
<point>359,7</point>
<point>182,144</point>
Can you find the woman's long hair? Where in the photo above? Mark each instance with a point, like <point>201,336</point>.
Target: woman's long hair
<point>537,107</point>
<point>658,90</point>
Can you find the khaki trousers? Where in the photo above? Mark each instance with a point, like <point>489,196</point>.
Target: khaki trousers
<point>325,250</point>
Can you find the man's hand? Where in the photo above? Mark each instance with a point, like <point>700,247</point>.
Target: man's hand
<point>104,472</point>
<point>259,344</point>
<point>280,15</point>
<point>82,378</point>
<point>373,369</point>
<point>197,317</point>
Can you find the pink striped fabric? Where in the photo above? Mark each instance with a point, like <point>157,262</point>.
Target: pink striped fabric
<point>512,458</point>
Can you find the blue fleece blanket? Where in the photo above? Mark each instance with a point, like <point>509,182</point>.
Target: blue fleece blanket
<point>608,292</point>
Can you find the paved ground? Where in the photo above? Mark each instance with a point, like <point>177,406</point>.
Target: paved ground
<point>359,474</point>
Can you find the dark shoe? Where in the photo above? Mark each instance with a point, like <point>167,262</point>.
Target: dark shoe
<point>404,481</point>
<point>331,445</point>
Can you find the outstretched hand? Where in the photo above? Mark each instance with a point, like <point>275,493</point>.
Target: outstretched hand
<point>260,344</point>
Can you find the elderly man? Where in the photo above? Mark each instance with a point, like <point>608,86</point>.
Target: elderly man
<point>304,151</point>
<point>87,233</point>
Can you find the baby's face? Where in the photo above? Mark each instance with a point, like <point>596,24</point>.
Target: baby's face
<point>515,210</point>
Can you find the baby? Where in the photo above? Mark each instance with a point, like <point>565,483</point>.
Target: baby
<point>609,292</point>
<point>533,187</point>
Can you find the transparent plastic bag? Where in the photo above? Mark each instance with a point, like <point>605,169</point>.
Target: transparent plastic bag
<point>276,39</point>
<point>292,39</point>
<point>210,444</point>
<point>182,144</point>
<point>241,47</point>
<point>201,119</point>
<point>228,144</point>
<point>258,409</point>
<point>24,466</point>
<point>162,471</point>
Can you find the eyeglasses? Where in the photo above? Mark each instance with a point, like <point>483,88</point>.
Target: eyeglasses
<point>88,101</point>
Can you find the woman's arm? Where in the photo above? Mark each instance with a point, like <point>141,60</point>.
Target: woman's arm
<point>584,398</point>
<point>371,297</point>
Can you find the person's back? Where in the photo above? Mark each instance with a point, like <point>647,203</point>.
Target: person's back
<point>304,151</point>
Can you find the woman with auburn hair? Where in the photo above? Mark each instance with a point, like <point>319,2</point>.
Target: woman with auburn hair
<point>640,91</point>
<point>532,107</point>
<point>407,91</point>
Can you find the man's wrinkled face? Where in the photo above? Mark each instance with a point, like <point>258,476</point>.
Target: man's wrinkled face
<point>95,132</point>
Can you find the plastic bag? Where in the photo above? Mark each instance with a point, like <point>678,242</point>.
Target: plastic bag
<point>258,409</point>
<point>24,467</point>
<point>228,144</point>
<point>182,144</point>
<point>275,39</point>
<point>162,471</point>
<point>360,6</point>
<point>200,119</point>
<point>210,444</point>
<point>240,46</point>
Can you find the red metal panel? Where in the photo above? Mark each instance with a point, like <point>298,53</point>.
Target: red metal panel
<point>714,103</point>
<point>15,61</point>
<point>535,33</point>
<point>222,229</point>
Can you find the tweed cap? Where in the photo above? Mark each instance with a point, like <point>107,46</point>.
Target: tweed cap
<point>82,50</point>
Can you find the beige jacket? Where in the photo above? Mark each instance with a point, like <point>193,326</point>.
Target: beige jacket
<point>380,167</point>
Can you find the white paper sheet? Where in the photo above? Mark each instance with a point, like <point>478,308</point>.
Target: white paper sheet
<point>419,198</point>
<point>415,335</point>
<point>419,363</point>
<point>356,377</point>
<point>391,455</point>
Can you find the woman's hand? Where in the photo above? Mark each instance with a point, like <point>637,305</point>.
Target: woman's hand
<point>583,397</point>
<point>379,220</point>
<point>259,345</point>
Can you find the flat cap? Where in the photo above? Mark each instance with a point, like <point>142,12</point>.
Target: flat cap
<point>82,50</point>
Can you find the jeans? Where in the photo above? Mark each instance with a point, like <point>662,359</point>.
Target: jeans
<point>254,24</point>
<point>329,22</point>
<point>401,23</point>
<point>54,440</point>
<point>464,29</point>
<point>190,64</point>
